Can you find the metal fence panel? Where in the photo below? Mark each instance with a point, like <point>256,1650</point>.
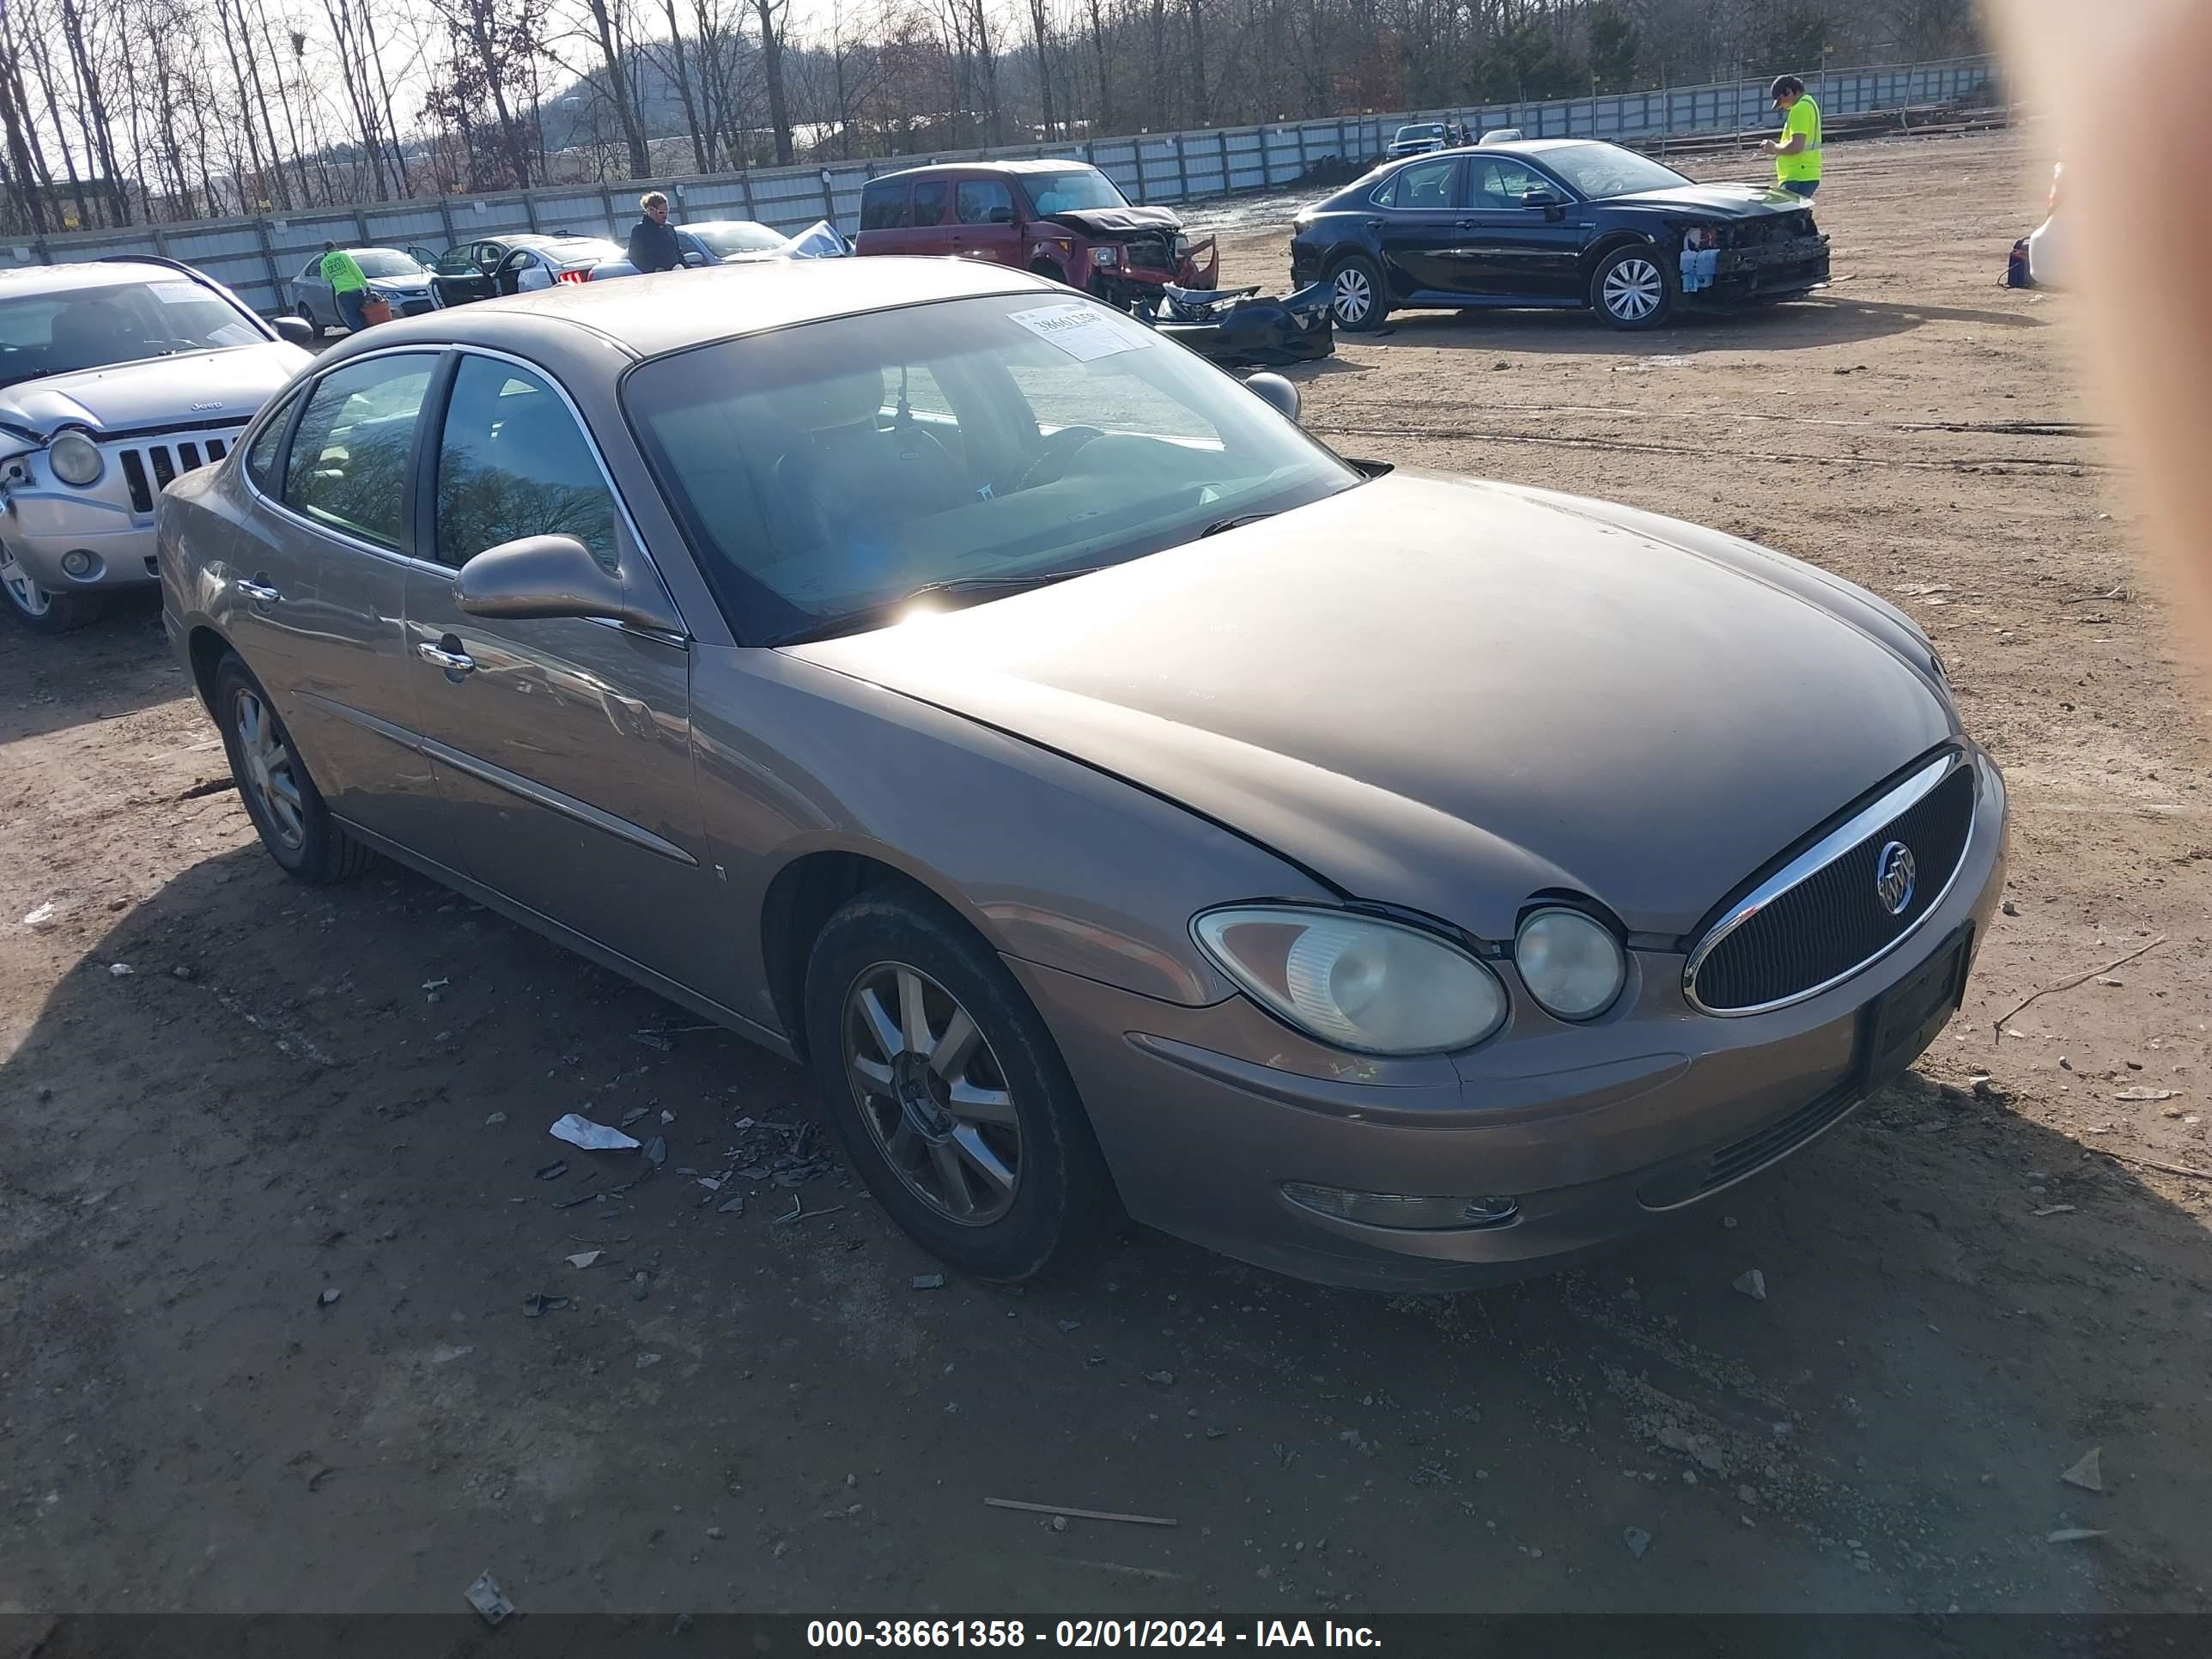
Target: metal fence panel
<point>257,258</point>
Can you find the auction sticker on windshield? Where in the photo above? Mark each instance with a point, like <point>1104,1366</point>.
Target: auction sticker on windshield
<point>1083,332</point>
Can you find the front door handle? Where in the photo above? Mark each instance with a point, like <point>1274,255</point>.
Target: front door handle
<point>260,592</point>
<point>453,662</point>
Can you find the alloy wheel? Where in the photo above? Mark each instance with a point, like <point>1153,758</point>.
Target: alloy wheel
<point>1633,289</point>
<point>270,772</point>
<point>29,596</point>
<point>1353,294</point>
<point>932,1093</point>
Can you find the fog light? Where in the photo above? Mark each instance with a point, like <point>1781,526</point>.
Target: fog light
<point>1401,1211</point>
<point>80,564</point>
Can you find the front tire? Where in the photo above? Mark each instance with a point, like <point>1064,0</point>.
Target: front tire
<point>947,1092</point>
<point>42,610</point>
<point>280,796</point>
<point>308,316</point>
<point>1356,297</point>
<point>1632,288</point>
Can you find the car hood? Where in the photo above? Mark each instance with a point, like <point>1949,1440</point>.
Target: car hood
<point>402,284</point>
<point>1116,222</point>
<point>222,385</point>
<point>1451,696</point>
<point>1714,201</point>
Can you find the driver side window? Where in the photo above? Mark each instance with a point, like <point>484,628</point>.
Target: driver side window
<point>1500,184</point>
<point>513,462</point>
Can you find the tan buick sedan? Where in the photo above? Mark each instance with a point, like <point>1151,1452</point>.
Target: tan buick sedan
<point>1113,795</point>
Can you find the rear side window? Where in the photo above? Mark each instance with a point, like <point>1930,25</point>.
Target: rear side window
<point>348,467</point>
<point>882,207</point>
<point>1425,185</point>
<point>261,462</point>
<point>929,202</point>
<point>513,462</point>
<point>986,202</point>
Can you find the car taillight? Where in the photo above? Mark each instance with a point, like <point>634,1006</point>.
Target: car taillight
<point>580,275</point>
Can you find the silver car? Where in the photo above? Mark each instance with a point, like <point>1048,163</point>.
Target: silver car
<point>116,377</point>
<point>400,277</point>
<point>932,673</point>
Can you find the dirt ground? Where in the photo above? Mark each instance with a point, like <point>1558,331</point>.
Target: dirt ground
<point>292,1093</point>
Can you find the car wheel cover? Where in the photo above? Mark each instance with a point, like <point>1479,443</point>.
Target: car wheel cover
<point>1354,295</point>
<point>932,1093</point>
<point>29,597</point>
<point>1633,289</point>
<point>270,772</point>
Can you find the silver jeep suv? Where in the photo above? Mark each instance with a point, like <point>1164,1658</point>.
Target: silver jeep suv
<point>116,376</point>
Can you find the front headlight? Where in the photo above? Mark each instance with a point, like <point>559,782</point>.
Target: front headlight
<point>1356,982</point>
<point>1570,962</point>
<point>1105,256</point>
<point>75,458</point>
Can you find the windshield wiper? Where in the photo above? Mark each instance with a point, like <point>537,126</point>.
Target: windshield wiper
<point>1236,523</point>
<point>875,614</point>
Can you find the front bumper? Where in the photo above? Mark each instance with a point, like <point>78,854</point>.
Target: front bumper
<point>1597,1133</point>
<point>1125,285</point>
<point>1767,271</point>
<point>41,527</point>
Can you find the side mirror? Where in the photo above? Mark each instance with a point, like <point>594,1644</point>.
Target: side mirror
<point>298,331</point>
<point>1549,200</point>
<point>1002,216</point>
<point>695,259</point>
<point>547,576</point>
<point>1277,393</point>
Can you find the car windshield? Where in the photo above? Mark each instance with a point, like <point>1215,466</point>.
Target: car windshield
<point>1073,192</point>
<point>1431,131</point>
<point>116,323</point>
<point>826,472</point>
<point>384,262</point>
<point>1598,171</point>
<point>736,236</point>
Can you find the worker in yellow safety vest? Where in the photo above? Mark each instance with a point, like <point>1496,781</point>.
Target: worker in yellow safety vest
<point>1797,152</point>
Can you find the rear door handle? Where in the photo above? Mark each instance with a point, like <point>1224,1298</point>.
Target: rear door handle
<point>260,592</point>
<point>453,662</point>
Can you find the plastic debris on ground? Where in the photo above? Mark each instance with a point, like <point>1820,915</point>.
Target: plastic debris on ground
<point>538,1304</point>
<point>1638,1540</point>
<point>585,1258</point>
<point>1751,1283</point>
<point>2088,1473</point>
<point>487,1599</point>
<point>927,1282</point>
<point>580,1131</point>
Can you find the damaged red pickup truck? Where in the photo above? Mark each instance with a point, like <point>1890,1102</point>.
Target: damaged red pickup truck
<point>1065,219</point>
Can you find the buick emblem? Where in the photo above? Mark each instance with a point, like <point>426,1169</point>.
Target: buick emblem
<point>1893,872</point>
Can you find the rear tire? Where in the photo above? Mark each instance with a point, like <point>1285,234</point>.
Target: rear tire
<point>280,797</point>
<point>947,1092</point>
<point>1356,296</point>
<point>1632,288</point>
<point>308,316</point>
<point>41,610</point>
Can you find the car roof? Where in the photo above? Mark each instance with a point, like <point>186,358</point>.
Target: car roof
<point>722,224</point>
<point>104,273</point>
<point>945,169</point>
<point>647,315</point>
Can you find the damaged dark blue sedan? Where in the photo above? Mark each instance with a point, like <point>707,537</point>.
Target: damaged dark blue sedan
<point>1553,223</point>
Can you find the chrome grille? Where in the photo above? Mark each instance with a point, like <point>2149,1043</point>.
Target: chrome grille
<point>1820,918</point>
<point>1150,252</point>
<point>149,468</point>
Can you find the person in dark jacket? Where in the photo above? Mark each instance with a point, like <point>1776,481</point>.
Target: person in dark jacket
<point>653,244</point>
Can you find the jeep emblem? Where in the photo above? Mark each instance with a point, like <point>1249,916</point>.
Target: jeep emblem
<point>206,404</point>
